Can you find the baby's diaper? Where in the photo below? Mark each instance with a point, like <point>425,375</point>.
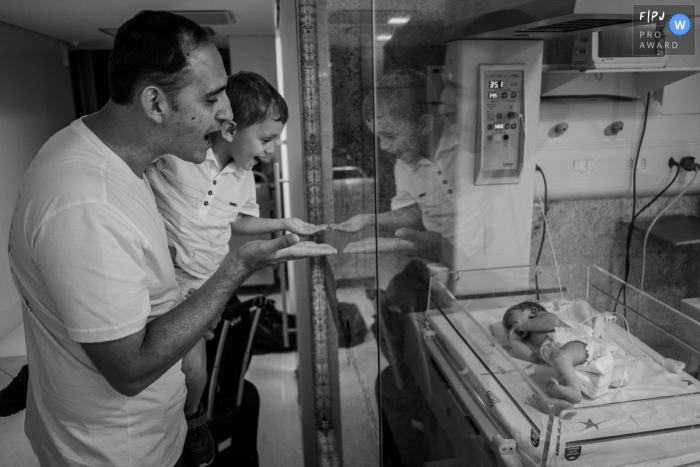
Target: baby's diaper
<point>595,374</point>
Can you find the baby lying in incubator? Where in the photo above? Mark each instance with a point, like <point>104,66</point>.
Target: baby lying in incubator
<point>536,335</point>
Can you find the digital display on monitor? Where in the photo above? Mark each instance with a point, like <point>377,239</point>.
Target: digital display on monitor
<point>499,126</point>
<point>495,84</point>
<point>493,95</point>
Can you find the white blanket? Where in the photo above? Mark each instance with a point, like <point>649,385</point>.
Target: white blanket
<point>598,435</point>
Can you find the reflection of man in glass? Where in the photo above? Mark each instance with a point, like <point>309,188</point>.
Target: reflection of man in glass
<point>422,207</point>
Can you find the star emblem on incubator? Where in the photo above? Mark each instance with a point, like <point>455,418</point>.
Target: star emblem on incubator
<point>589,424</point>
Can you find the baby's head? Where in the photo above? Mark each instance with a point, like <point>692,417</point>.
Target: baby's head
<point>522,312</point>
<point>401,113</point>
<point>259,113</point>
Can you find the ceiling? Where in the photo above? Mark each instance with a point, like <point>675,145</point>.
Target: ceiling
<point>78,22</point>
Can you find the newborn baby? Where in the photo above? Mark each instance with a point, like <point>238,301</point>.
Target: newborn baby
<point>537,335</point>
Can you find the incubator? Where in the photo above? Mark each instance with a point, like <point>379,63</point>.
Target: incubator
<point>483,396</point>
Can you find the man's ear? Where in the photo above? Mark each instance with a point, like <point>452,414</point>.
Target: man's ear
<point>228,129</point>
<point>426,124</point>
<point>154,102</point>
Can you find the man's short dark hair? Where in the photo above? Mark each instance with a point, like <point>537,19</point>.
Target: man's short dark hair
<point>152,48</point>
<point>254,100</point>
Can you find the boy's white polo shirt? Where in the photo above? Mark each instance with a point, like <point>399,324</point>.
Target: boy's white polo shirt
<point>198,202</point>
<point>423,184</point>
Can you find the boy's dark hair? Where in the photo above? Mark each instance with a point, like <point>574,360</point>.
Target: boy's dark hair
<point>152,48</point>
<point>254,100</point>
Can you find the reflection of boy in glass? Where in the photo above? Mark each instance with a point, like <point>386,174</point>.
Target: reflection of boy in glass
<point>423,199</point>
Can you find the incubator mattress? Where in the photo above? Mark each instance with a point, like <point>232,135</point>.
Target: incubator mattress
<point>602,436</point>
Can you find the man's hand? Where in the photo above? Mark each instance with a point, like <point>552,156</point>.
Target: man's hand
<point>299,227</point>
<point>262,253</point>
<point>408,242</point>
<point>381,245</point>
<point>355,223</point>
<point>425,244</point>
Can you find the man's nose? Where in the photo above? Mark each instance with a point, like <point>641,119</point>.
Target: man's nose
<point>224,113</point>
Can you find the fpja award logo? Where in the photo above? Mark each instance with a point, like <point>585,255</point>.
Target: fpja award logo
<point>661,30</point>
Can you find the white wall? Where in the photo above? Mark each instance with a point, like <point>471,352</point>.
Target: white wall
<point>254,53</point>
<point>603,161</point>
<point>36,100</point>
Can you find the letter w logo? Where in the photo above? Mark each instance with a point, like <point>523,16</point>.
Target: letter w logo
<point>680,25</point>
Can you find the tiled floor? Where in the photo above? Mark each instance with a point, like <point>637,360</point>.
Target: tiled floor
<point>14,445</point>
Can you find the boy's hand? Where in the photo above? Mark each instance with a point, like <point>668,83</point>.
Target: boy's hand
<point>299,227</point>
<point>355,223</point>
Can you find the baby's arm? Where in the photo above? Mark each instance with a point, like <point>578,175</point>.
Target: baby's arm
<point>250,225</point>
<point>521,350</point>
<point>541,323</point>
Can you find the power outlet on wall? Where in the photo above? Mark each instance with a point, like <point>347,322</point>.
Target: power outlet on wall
<point>641,164</point>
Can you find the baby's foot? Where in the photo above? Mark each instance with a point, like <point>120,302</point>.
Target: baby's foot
<point>559,391</point>
<point>559,405</point>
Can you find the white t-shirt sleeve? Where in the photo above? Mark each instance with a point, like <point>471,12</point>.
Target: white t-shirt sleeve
<point>250,205</point>
<point>403,197</point>
<point>92,263</point>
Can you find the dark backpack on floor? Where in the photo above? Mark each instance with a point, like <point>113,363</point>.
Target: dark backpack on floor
<point>269,336</point>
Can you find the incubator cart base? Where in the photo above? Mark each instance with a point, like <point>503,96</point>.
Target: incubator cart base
<point>475,439</point>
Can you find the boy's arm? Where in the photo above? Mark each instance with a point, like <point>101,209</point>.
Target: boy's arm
<point>250,225</point>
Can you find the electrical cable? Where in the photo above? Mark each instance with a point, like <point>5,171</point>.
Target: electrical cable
<point>634,204</point>
<point>678,169</point>
<point>634,187</point>
<point>658,216</point>
<point>672,163</point>
<point>539,197</point>
<point>544,231</point>
<point>544,212</point>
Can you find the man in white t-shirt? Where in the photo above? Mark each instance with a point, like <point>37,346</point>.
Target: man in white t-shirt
<point>104,325</point>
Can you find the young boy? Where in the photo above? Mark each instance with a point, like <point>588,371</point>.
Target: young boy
<point>202,205</point>
<point>536,335</point>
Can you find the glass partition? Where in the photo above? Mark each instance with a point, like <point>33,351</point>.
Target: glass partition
<point>434,148</point>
